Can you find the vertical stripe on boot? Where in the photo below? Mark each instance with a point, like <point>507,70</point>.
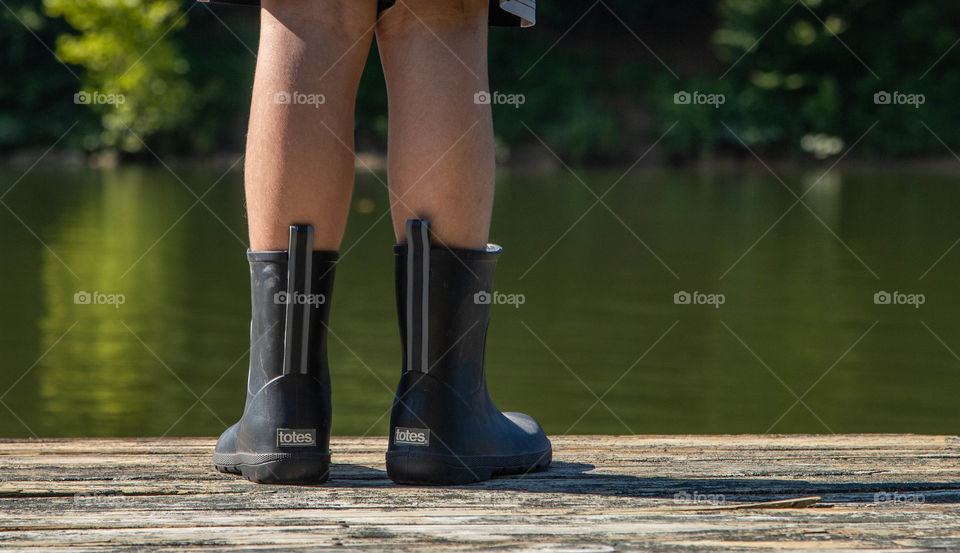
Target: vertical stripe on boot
<point>418,294</point>
<point>297,326</point>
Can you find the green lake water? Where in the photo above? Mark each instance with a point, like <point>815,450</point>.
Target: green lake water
<point>599,344</point>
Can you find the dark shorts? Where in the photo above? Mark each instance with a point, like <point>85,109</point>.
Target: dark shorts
<point>503,13</point>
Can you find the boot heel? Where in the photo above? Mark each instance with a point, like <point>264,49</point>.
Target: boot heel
<point>433,470</point>
<point>283,437</point>
<point>292,470</point>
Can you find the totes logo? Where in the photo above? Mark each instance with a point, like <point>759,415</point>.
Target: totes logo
<point>411,436</point>
<point>296,437</point>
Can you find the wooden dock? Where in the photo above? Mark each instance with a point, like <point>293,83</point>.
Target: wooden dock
<point>603,493</point>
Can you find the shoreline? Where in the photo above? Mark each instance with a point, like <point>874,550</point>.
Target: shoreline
<point>377,162</point>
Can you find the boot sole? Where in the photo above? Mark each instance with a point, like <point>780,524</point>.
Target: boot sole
<point>410,467</point>
<point>275,468</point>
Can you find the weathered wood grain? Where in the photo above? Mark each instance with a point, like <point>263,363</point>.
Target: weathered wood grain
<point>603,493</point>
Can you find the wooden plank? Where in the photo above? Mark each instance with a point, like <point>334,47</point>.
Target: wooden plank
<point>603,493</point>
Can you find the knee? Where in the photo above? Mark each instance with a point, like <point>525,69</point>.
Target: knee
<point>432,16</point>
<point>351,19</point>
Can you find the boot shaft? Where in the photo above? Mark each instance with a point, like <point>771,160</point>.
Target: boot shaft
<point>443,306</point>
<point>290,294</point>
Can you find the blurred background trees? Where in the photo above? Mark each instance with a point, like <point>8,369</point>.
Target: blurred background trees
<point>798,78</point>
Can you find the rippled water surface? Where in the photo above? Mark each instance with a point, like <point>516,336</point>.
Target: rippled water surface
<point>599,344</point>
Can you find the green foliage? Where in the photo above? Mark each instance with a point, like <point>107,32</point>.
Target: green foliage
<point>796,77</point>
<point>584,91</point>
<point>36,91</point>
<point>129,63</point>
<point>219,45</point>
<point>813,68</point>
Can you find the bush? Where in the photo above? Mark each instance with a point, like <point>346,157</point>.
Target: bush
<point>36,92</point>
<point>794,77</point>
<point>138,75</point>
<point>815,71</point>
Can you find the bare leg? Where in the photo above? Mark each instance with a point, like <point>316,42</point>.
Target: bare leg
<point>440,159</point>
<point>299,164</point>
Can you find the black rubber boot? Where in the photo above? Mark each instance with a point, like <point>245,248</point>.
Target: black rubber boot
<point>444,428</point>
<point>283,436</point>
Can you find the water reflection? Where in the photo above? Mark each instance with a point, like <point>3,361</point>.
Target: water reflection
<point>797,346</point>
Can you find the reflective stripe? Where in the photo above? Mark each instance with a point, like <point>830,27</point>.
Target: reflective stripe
<point>418,294</point>
<point>296,329</point>
<point>425,303</point>
<point>307,306</point>
<point>410,307</point>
